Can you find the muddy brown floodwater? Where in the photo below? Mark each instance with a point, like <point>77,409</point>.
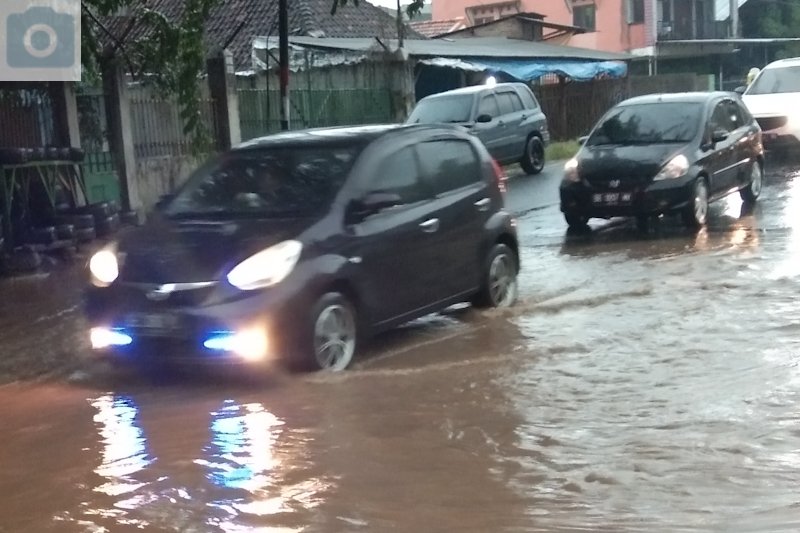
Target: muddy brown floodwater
<point>643,383</point>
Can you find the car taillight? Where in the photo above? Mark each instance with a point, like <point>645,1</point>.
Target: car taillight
<point>499,175</point>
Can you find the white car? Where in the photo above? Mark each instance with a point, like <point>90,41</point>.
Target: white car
<point>774,101</point>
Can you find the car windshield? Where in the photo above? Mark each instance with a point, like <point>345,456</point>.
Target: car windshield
<point>777,80</point>
<point>447,109</point>
<point>665,122</point>
<point>284,182</point>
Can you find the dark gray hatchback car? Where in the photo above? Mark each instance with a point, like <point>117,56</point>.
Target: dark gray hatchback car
<point>295,246</point>
<point>506,117</point>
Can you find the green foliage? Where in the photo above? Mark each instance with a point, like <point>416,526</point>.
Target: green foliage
<point>772,19</point>
<point>414,7</point>
<point>169,53</point>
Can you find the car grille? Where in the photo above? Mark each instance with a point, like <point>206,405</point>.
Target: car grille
<point>144,296</point>
<point>771,123</point>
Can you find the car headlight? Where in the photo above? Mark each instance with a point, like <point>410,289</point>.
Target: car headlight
<point>678,166</point>
<point>104,268</point>
<point>266,268</point>
<point>571,173</point>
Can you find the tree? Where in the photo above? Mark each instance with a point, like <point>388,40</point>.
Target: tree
<point>168,51</point>
<point>772,19</point>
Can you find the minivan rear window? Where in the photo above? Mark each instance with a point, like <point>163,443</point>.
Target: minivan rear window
<point>443,109</point>
<point>777,80</point>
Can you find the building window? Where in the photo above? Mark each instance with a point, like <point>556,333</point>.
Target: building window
<point>583,16</point>
<point>635,11</point>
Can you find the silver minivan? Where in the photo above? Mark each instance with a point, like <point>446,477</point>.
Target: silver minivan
<point>506,117</point>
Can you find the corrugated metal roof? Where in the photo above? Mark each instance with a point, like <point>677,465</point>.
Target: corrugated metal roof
<point>496,47</point>
<point>434,28</point>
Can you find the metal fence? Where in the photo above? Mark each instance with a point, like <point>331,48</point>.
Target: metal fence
<point>157,127</point>
<point>26,116</point>
<point>259,109</point>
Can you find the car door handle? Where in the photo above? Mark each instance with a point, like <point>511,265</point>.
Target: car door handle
<point>430,225</point>
<point>483,204</point>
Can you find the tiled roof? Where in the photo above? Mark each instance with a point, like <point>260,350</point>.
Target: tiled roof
<point>434,28</point>
<point>259,18</point>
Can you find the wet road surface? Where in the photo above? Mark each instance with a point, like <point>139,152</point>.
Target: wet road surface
<point>643,383</point>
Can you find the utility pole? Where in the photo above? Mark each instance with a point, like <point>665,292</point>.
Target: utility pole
<point>400,25</point>
<point>283,58</point>
<point>734,4</point>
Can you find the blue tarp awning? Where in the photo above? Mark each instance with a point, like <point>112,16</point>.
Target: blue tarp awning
<point>533,69</point>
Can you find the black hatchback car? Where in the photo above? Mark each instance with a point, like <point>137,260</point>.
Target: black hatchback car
<point>293,247</point>
<point>663,153</point>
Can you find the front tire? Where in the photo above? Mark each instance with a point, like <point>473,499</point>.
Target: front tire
<point>499,287</point>
<point>575,221</point>
<point>330,336</point>
<point>695,215</point>
<point>753,190</point>
<point>532,161</point>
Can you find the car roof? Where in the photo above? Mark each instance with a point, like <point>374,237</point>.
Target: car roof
<point>784,63</point>
<point>687,98</point>
<point>337,135</point>
<point>474,89</point>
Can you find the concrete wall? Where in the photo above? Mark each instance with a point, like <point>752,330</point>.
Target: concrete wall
<point>156,176</point>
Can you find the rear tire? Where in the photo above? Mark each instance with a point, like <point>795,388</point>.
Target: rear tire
<point>753,189</point>
<point>532,161</point>
<point>499,287</point>
<point>695,215</point>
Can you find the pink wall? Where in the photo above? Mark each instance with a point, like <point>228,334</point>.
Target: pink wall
<point>613,33</point>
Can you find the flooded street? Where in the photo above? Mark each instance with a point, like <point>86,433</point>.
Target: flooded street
<point>642,383</point>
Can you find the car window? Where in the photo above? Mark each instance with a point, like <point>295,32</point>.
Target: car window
<point>488,106</point>
<point>400,175</point>
<point>721,118</point>
<point>267,182</point>
<point>776,80</point>
<point>509,103</point>
<point>748,118</point>
<point>735,115</point>
<point>528,99</point>
<point>442,109</point>
<point>450,164</point>
<point>662,122</point>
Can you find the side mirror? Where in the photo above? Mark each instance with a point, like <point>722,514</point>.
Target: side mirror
<point>373,203</point>
<point>718,136</point>
<point>164,200</point>
<point>483,119</point>
<point>582,140</point>
<point>740,89</point>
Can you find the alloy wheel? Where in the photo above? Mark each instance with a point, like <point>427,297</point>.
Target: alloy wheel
<point>334,337</point>
<point>503,280</point>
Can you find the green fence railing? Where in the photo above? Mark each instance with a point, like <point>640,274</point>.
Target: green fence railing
<point>259,109</point>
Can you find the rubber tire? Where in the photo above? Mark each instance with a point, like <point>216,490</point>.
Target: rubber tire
<point>107,226</point>
<point>84,235</point>
<point>45,236</point>
<point>525,163</point>
<point>643,223</point>
<point>483,298</point>
<point>13,156</point>
<point>80,222</point>
<point>688,216</point>
<point>304,359</point>
<point>575,221</point>
<point>65,231</point>
<point>747,194</point>
<point>76,155</point>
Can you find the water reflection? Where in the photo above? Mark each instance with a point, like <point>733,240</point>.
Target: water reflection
<point>124,451</point>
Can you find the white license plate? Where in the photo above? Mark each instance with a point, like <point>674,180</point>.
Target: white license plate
<point>612,198</point>
<point>153,322</point>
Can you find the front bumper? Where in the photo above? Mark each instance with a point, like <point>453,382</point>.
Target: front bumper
<point>635,200</point>
<point>203,331</point>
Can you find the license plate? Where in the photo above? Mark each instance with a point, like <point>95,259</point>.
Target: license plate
<point>153,323</point>
<point>612,198</point>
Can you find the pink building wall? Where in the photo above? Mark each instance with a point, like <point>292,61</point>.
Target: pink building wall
<point>613,34</point>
